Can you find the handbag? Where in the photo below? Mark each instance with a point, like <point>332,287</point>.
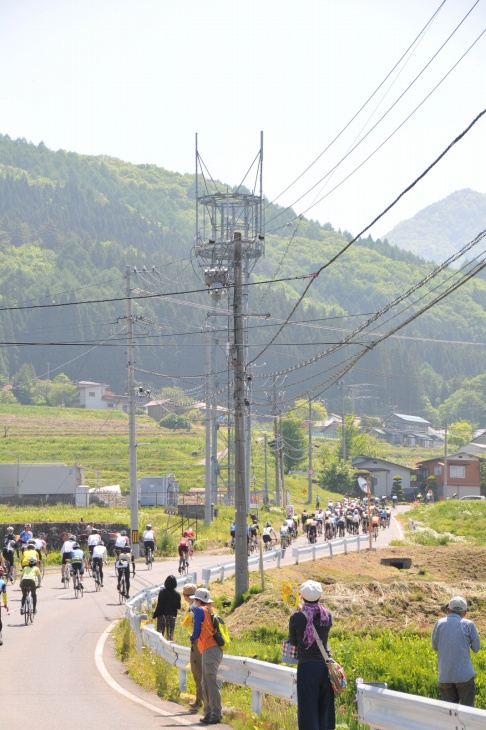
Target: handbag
<point>289,653</point>
<point>336,672</point>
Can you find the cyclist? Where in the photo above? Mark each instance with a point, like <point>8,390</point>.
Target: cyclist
<point>26,534</point>
<point>284,535</point>
<point>94,538</point>
<point>8,551</point>
<point>30,574</point>
<point>254,530</point>
<point>121,542</point>
<point>375,521</point>
<point>122,566</point>
<point>233,533</point>
<point>312,529</point>
<point>189,533</point>
<point>149,539</point>
<point>268,534</point>
<point>3,591</point>
<point>78,562</point>
<point>29,552</point>
<point>183,550</point>
<point>394,501</point>
<point>66,553</point>
<point>99,556</point>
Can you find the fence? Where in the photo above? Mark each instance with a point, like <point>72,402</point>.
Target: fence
<point>333,546</point>
<point>384,709</point>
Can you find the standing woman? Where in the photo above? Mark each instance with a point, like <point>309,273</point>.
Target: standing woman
<point>315,696</point>
<point>168,603</point>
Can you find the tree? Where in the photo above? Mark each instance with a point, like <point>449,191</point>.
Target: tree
<point>337,476</point>
<point>357,441</point>
<point>62,392</point>
<point>301,410</point>
<point>397,489</point>
<point>6,396</point>
<point>23,384</point>
<point>460,433</point>
<point>295,444</point>
<point>432,484</point>
<point>173,421</point>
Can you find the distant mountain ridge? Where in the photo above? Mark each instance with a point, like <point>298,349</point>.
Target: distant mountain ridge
<point>441,229</point>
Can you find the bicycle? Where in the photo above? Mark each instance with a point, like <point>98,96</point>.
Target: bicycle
<point>376,530</point>
<point>149,558</point>
<point>95,571</point>
<point>122,589</point>
<point>77,584</point>
<point>29,608</point>
<point>67,573</point>
<point>183,565</point>
<point>11,573</point>
<point>232,545</point>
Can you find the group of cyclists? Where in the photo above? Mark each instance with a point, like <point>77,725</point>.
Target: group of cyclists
<point>31,552</point>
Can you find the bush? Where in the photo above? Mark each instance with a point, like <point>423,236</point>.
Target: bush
<point>172,420</point>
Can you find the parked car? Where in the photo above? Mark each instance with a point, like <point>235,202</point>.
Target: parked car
<point>472,496</point>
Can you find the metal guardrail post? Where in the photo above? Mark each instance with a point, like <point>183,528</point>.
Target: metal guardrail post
<point>345,545</point>
<point>256,701</point>
<point>182,680</point>
<point>329,545</point>
<point>221,574</point>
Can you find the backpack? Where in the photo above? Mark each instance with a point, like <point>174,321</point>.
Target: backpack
<point>221,633</point>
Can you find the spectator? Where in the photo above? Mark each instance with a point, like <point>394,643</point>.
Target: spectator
<point>315,696</point>
<point>196,659</point>
<point>211,653</point>
<point>452,638</point>
<point>168,603</point>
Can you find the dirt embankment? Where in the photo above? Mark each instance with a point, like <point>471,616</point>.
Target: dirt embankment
<point>365,595</point>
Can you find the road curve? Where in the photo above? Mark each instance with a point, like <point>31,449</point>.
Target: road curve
<point>65,688</point>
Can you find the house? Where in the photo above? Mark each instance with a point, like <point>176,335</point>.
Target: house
<point>157,409</point>
<point>97,396</point>
<point>463,474</point>
<point>333,426</point>
<point>411,431</point>
<point>382,474</point>
<point>36,483</point>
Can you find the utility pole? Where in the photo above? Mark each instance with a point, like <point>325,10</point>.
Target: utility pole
<point>265,466</point>
<point>276,440</point>
<point>341,388</point>
<point>445,461</point>
<point>310,471</point>
<point>241,507</point>
<point>132,443</point>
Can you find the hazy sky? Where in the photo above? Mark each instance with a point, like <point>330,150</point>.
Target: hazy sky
<point>136,79</point>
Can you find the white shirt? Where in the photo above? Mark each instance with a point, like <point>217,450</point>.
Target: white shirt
<point>99,551</point>
<point>121,541</point>
<point>94,539</point>
<point>148,535</point>
<point>67,547</point>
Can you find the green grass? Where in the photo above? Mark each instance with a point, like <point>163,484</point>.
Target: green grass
<point>450,521</point>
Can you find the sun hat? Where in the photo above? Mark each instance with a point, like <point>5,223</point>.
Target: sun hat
<point>189,589</point>
<point>311,590</point>
<point>202,594</point>
<point>458,604</point>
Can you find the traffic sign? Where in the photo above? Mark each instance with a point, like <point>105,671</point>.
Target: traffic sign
<point>310,472</point>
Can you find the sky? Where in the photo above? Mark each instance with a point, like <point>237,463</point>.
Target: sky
<point>137,79</point>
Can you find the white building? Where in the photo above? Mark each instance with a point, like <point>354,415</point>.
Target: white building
<point>33,483</point>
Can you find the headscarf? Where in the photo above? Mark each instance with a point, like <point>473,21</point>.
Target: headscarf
<point>310,609</point>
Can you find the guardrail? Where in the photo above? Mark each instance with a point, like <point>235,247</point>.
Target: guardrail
<point>219,571</point>
<point>384,709</point>
<point>331,547</point>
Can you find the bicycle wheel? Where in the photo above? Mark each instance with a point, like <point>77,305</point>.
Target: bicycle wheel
<point>150,560</point>
<point>122,591</point>
<point>97,579</point>
<point>13,574</point>
<point>31,610</point>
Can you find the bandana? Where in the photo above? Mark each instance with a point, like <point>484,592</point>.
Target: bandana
<point>310,610</point>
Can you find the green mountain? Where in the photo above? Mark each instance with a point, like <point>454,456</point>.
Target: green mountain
<point>441,229</point>
<point>70,224</point>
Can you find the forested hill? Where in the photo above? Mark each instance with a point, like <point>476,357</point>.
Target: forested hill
<point>69,224</point>
<point>441,229</point>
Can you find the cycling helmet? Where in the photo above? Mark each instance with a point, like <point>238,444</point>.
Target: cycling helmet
<point>32,561</point>
<point>72,537</point>
<point>149,527</point>
<point>101,542</point>
<point>123,532</point>
<point>10,529</point>
<point>31,542</point>
<point>75,546</point>
<point>269,524</point>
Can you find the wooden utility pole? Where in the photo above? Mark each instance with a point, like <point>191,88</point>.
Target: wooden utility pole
<point>310,471</point>
<point>241,508</point>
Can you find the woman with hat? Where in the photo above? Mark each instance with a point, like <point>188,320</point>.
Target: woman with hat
<point>315,696</point>
<point>211,654</point>
<point>196,659</point>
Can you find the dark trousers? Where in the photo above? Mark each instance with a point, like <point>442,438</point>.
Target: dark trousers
<point>166,626</point>
<point>315,697</point>
<point>458,692</point>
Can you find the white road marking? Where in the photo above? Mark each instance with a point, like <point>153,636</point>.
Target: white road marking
<point>114,685</point>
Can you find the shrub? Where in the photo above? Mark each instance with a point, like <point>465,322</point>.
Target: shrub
<point>173,421</point>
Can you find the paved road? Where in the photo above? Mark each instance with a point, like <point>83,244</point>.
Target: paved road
<point>64,688</point>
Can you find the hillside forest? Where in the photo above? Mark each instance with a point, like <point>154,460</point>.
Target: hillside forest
<point>398,332</point>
